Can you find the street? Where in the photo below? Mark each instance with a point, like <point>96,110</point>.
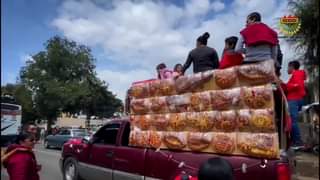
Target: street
<point>49,159</point>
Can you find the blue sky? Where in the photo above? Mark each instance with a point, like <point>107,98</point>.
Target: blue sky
<point>25,27</point>
<point>128,38</point>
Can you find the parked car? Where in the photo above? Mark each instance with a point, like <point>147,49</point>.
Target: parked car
<point>309,126</point>
<point>107,155</point>
<point>63,136</point>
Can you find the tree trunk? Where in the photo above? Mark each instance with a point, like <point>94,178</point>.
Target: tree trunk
<point>88,120</point>
<point>49,124</point>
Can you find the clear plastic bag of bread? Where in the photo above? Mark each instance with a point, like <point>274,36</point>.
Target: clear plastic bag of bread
<point>155,88</point>
<point>179,103</point>
<point>143,122</point>
<point>195,102</point>
<point>205,101</point>
<point>140,106</point>
<point>206,121</point>
<point>167,87</point>
<point>262,145</point>
<point>200,102</point>
<point>198,141</point>
<point>224,143</point>
<point>139,138</point>
<point>226,121</point>
<point>158,105</point>
<point>155,139</point>
<point>189,83</point>
<point>257,73</point>
<point>175,140</point>
<point>139,90</point>
<point>177,121</point>
<point>257,97</point>
<point>243,120</point>
<point>262,120</point>
<point>225,78</point>
<point>191,119</point>
<point>201,81</point>
<point>196,82</point>
<point>160,122</point>
<point>224,99</point>
<point>207,81</point>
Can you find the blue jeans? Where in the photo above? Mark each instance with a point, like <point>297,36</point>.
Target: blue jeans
<point>294,108</point>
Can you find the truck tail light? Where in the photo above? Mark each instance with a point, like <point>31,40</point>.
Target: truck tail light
<point>283,171</point>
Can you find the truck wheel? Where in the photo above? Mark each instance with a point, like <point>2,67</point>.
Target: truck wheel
<point>70,169</point>
<point>46,145</point>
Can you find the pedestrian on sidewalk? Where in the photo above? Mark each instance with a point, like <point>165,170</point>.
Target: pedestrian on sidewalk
<point>203,57</point>
<point>295,94</point>
<point>22,165</point>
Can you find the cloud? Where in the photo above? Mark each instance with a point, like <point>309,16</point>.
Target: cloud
<point>24,58</point>
<point>119,81</point>
<point>142,34</point>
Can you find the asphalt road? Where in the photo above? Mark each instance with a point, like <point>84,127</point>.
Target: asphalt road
<point>49,159</point>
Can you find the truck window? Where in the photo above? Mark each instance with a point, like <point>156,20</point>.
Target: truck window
<point>107,134</point>
<point>65,132</point>
<point>125,135</point>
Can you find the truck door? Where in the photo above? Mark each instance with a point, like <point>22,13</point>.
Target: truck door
<point>129,162</point>
<point>99,164</point>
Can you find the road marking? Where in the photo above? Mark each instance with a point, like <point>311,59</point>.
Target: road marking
<point>48,152</point>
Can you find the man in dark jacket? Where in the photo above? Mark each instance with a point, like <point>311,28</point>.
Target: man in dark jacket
<point>203,57</point>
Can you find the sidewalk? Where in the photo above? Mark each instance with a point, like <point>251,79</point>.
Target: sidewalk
<point>307,166</point>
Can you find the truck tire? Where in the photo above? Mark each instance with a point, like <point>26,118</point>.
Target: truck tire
<point>70,169</point>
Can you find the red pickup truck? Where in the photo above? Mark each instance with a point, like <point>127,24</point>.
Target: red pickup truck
<point>107,155</point>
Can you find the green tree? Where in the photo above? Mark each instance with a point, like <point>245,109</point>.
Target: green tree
<point>59,78</point>
<point>308,40</point>
<point>98,100</point>
<point>23,97</point>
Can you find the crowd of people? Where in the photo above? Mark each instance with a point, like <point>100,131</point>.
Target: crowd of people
<point>257,42</point>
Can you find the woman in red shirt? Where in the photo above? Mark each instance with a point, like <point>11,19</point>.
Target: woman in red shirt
<point>230,57</point>
<point>22,165</point>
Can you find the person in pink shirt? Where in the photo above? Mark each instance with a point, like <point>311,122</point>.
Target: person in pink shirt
<point>163,72</point>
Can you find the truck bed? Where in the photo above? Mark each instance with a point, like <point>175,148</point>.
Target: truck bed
<point>136,163</point>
